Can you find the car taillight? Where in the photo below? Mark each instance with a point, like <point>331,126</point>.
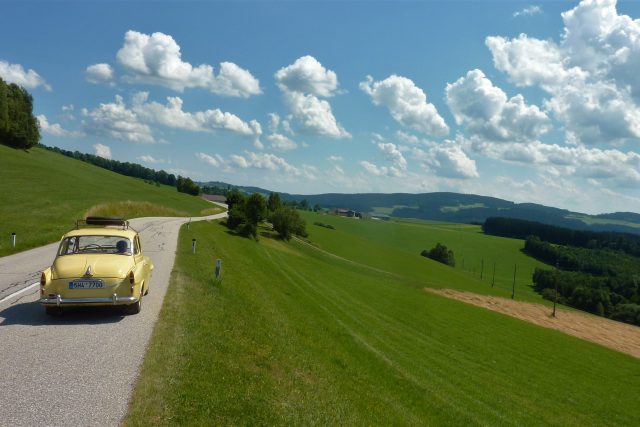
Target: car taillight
<point>43,279</point>
<point>131,278</point>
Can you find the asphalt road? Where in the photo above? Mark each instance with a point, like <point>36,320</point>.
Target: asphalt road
<point>79,369</point>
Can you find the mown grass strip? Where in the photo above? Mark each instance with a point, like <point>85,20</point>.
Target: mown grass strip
<point>293,335</point>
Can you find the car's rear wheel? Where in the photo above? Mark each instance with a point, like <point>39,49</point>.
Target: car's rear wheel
<point>134,308</point>
<point>53,310</point>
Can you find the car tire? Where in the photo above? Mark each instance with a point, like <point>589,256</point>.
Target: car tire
<point>134,308</point>
<point>53,310</point>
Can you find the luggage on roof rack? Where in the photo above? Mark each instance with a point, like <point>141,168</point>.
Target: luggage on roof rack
<point>102,221</point>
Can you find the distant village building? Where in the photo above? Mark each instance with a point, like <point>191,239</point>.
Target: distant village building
<point>347,213</point>
<point>379,216</point>
<point>215,198</point>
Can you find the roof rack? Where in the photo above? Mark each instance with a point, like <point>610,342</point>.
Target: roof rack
<point>103,221</point>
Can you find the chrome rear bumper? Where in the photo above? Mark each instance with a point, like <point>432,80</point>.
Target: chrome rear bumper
<point>112,300</point>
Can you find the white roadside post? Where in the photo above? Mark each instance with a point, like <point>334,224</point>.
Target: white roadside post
<point>193,246</point>
<point>13,239</point>
<point>218,268</point>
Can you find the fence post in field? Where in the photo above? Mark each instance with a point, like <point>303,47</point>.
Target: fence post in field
<point>513,292</point>
<point>493,280</point>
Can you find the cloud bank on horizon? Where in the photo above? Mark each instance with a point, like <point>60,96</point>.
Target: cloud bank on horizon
<point>579,143</point>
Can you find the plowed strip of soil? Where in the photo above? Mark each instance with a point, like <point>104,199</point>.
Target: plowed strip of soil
<point>616,335</point>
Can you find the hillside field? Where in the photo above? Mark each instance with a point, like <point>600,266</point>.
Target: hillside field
<point>395,246</point>
<point>43,193</point>
<point>325,333</point>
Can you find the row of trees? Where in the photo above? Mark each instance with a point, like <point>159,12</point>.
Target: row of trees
<point>184,185</point>
<point>246,212</point>
<point>18,126</point>
<point>600,281</point>
<point>521,229</point>
<point>614,297</point>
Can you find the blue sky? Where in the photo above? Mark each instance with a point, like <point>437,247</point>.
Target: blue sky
<point>531,102</point>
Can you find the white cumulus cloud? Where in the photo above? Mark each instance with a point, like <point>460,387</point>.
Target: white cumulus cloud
<point>486,112</point>
<point>307,75</point>
<point>172,115</point>
<point>281,142</point>
<point>54,129</point>
<point>314,115</point>
<point>407,104</point>
<point>590,74</point>
<point>99,73</point>
<point>102,150</point>
<point>15,73</point>
<point>216,160</point>
<point>157,59</point>
<point>447,160</point>
<point>302,83</point>
<point>528,11</point>
<point>147,158</point>
<point>116,121</point>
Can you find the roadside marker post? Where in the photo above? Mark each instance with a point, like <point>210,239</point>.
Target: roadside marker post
<point>13,239</point>
<point>193,246</point>
<point>189,224</point>
<point>218,268</point>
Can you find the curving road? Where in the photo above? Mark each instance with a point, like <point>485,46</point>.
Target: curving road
<point>77,370</point>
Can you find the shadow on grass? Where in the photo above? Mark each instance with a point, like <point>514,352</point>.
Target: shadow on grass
<point>33,314</point>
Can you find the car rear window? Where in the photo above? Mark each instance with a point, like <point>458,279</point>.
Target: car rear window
<point>95,245</point>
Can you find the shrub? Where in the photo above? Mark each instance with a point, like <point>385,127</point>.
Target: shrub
<point>441,254</point>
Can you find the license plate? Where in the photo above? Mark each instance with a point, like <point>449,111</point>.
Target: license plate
<point>86,284</point>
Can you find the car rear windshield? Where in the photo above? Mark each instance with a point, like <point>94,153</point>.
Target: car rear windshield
<point>95,245</point>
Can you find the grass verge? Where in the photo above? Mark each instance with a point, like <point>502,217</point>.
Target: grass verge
<point>42,194</point>
<point>293,335</point>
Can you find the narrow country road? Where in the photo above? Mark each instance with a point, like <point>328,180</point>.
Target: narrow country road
<point>79,369</point>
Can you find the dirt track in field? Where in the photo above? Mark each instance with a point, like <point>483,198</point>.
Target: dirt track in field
<point>615,335</point>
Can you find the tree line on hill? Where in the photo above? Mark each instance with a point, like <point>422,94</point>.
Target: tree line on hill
<point>18,126</point>
<point>245,212</point>
<point>521,229</point>
<point>595,272</point>
<point>135,170</point>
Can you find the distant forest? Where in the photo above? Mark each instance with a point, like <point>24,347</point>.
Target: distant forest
<point>595,272</point>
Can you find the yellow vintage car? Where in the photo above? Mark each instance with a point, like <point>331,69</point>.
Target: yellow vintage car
<point>98,263</point>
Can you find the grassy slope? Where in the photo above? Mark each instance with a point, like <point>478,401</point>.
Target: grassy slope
<point>396,245</point>
<point>43,193</point>
<point>296,336</point>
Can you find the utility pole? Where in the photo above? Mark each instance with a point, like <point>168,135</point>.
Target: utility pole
<point>555,282</point>
<point>513,292</point>
<point>493,280</point>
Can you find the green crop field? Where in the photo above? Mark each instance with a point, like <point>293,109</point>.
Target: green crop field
<point>299,335</point>
<point>42,194</point>
<point>395,246</point>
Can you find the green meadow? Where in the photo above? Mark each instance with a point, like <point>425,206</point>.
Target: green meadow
<point>395,246</point>
<point>43,193</point>
<point>330,332</point>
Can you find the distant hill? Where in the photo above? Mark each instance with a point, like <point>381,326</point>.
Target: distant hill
<point>456,207</point>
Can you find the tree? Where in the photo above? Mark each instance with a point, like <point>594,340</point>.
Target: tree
<point>274,203</point>
<point>186,185</point>
<point>234,197</point>
<point>287,221</point>
<point>254,212</point>
<point>18,126</point>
